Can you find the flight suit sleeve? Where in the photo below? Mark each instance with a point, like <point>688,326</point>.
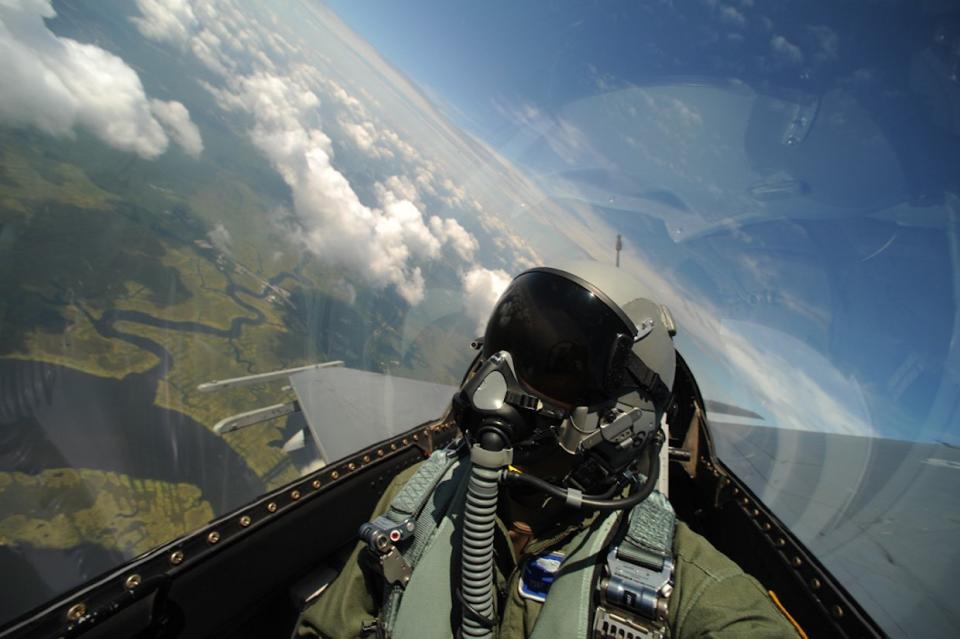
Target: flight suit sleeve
<point>715,599</point>
<point>349,603</point>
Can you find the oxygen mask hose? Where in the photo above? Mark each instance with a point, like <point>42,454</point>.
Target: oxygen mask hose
<point>488,459</point>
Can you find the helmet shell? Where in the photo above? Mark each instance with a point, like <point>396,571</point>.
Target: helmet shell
<point>567,329</point>
<point>656,350</point>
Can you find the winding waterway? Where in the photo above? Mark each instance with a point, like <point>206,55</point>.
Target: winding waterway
<point>58,417</point>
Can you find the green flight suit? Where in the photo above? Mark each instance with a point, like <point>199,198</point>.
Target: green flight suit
<point>712,597</point>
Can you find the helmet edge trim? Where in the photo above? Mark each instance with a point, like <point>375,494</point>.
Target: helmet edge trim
<point>579,281</point>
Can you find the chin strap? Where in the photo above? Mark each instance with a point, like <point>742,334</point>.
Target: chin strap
<point>647,380</point>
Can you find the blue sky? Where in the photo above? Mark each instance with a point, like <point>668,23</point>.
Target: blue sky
<point>783,175</point>
<point>549,53</point>
<point>785,165</point>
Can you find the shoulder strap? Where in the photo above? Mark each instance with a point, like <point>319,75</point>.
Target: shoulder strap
<point>638,574</point>
<point>566,612</point>
<point>649,537</point>
<point>417,508</point>
<point>632,579</point>
<point>415,493</point>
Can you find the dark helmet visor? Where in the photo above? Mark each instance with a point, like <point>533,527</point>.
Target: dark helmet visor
<point>561,334</point>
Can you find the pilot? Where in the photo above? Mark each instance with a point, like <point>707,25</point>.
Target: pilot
<point>542,520</point>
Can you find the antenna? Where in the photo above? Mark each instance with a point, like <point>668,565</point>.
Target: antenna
<point>619,248</point>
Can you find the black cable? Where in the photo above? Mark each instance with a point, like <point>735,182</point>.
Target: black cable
<point>592,502</point>
<point>610,492</point>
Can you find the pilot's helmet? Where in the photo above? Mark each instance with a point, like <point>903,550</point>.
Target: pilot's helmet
<point>585,335</point>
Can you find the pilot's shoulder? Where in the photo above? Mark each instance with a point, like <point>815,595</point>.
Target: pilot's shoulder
<point>695,554</point>
<point>714,597</point>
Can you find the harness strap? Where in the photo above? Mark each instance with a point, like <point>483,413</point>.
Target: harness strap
<point>415,493</point>
<point>634,583</point>
<point>414,503</point>
<point>638,576</point>
<point>649,538</point>
<point>633,576</point>
<point>568,607</point>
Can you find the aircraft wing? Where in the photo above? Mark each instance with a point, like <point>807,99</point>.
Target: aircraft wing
<point>336,401</point>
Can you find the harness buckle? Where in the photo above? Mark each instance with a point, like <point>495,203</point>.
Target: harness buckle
<point>611,624</point>
<point>636,587</point>
<point>634,595</point>
<point>381,535</point>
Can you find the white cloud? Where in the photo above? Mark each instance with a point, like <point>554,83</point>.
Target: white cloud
<point>385,243</point>
<point>731,16</point>
<point>828,43</point>
<point>57,84</point>
<point>206,29</point>
<point>402,223</point>
<point>206,45</point>
<point>165,20</point>
<point>450,232</point>
<point>176,120</point>
<point>401,186</point>
<point>786,50</point>
<point>345,99</point>
<point>382,244</point>
<point>346,291</point>
<point>482,288</point>
<point>362,135</point>
<point>220,238</point>
<point>366,138</point>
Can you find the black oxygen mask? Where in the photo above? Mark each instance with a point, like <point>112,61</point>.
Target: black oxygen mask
<point>492,403</point>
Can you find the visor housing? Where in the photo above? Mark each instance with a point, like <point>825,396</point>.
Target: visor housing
<point>562,334</point>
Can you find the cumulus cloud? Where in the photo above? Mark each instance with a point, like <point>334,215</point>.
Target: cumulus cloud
<point>786,50</point>
<point>176,120</point>
<point>733,17</point>
<point>165,20</point>
<point>220,238</point>
<point>385,243</point>
<point>346,291</point>
<point>362,135</point>
<point>450,232</point>
<point>382,243</point>
<point>57,84</point>
<point>211,31</point>
<point>401,186</point>
<point>828,43</point>
<point>377,142</point>
<point>482,288</point>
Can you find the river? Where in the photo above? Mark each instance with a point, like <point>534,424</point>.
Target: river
<point>59,417</point>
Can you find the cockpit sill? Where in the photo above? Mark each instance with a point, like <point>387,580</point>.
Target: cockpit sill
<point>148,576</point>
<point>705,492</point>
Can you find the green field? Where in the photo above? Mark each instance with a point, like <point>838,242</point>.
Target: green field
<point>88,234</point>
